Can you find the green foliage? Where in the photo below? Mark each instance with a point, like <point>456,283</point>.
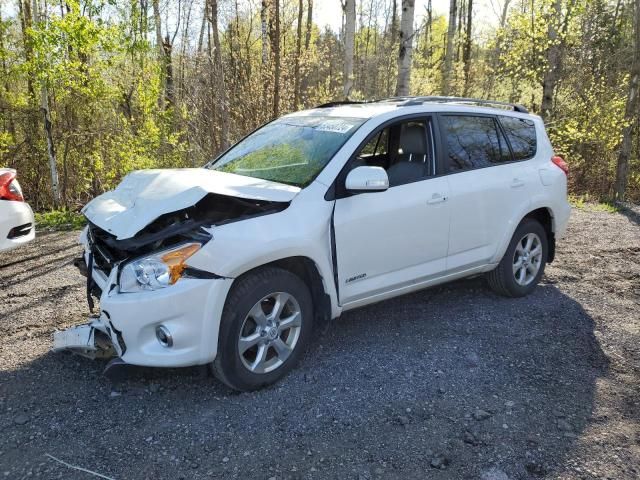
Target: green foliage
<point>60,220</point>
<point>116,107</point>
<point>585,202</point>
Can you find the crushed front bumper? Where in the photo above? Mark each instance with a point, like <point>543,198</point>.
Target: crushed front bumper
<point>89,340</point>
<point>189,310</point>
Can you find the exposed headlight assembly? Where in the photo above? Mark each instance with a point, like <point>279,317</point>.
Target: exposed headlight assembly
<point>156,271</point>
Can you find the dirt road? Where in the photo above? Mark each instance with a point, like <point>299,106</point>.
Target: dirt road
<point>453,382</point>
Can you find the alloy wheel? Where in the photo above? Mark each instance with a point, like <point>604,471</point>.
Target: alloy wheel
<point>527,259</point>
<point>270,332</point>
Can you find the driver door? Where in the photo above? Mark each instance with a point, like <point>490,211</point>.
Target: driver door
<point>391,240</point>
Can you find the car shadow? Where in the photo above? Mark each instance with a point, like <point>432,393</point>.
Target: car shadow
<point>48,253</point>
<point>481,382</point>
<point>632,212</point>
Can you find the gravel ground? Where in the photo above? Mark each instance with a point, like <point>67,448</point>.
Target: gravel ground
<point>452,382</point>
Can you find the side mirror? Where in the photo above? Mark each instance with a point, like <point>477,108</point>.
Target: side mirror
<point>367,179</point>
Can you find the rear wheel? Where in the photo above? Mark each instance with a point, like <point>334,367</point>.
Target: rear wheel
<point>265,326</point>
<point>523,263</point>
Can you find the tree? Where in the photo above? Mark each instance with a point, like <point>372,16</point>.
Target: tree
<point>448,59</point>
<point>405,51</point>
<point>276,54</point>
<point>219,94</point>
<point>161,50</point>
<point>553,59</point>
<point>466,52</point>
<point>349,41</point>
<point>263,33</point>
<point>307,33</point>
<point>46,120</point>
<point>631,111</point>
<point>107,70</point>
<point>296,72</point>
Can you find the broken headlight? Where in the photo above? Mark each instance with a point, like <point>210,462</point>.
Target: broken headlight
<point>156,271</point>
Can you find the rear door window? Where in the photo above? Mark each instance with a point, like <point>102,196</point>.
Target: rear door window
<point>473,142</point>
<point>521,133</point>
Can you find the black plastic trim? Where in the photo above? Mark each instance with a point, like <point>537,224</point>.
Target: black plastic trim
<point>19,231</point>
<point>193,272</point>
<point>334,252</point>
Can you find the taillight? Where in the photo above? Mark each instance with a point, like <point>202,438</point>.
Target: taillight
<point>10,188</point>
<point>560,163</point>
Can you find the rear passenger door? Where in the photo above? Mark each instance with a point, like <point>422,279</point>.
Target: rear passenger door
<point>487,187</point>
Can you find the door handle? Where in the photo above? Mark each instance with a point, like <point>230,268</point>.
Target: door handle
<point>436,198</point>
<point>516,182</point>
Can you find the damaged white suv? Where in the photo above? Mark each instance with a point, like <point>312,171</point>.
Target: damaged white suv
<point>314,214</point>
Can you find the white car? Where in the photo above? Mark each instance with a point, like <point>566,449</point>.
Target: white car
<point>17,225</point>
<point>316,213</point>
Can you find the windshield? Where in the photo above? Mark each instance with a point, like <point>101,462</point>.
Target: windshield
<point>291,150</point>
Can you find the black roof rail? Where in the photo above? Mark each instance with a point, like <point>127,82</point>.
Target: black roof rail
<point>337,103</point>
<point>408,101</point>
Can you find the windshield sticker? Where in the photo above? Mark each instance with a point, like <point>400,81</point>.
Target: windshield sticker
<point>336,126</point>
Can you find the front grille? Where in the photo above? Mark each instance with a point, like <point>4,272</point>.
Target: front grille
<point>19,231</point>
<point>104,257</point>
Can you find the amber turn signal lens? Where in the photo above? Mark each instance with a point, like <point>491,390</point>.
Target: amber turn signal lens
<point>176,258</point>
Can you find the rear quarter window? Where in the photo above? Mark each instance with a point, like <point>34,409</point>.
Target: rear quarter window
<point>521,133</point>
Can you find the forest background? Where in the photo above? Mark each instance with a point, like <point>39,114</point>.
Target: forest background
<point>90,90</point>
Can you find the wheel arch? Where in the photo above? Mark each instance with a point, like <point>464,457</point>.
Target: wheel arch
<point>544,216</point>
<point>309,272</point>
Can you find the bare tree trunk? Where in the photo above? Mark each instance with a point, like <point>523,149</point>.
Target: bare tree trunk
<point>167,62</point>
<point>276,53</point>
<point>462,9</point>
<point>11,128</point>
<point>405,51</point>
<point>265,72</point>
<point>203,26</point>
<point>394,20</point>
<point>160,49</point>
<point>448,57</point>
<point>26,18</point>
<point>221,95</point>
<point>392,41</point>
<point>263,33</point>
<point>552,73</point>
<point>349,41</point>
<point>296,73</point>
<point>428,35</point>
<point>631,111</point>
<point>505,10</point>
<point>48,126</point>
<point>307,33</point>
<point>466,52</point>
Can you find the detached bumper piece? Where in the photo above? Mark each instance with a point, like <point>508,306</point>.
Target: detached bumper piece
<point>86,340</point>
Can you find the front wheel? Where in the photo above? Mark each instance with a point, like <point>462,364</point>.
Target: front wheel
<point>266,323</point>
<point>523,263</point>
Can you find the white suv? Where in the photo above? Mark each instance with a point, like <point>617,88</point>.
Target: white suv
<point>316,213</point>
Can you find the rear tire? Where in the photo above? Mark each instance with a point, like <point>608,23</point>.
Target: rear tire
<point>523,263</point>
<point>266,324</point>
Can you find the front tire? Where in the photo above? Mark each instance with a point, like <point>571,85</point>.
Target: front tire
<point>266,324</point>
<point>523,263</point>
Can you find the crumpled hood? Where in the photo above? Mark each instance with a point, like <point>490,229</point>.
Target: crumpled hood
<point>144,195</point>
